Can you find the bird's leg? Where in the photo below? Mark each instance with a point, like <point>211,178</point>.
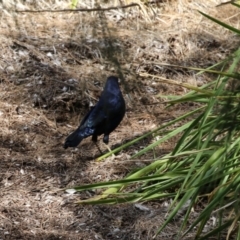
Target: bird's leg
<point>94,139</point>
<point>98,148</point>
<point>106,140</point>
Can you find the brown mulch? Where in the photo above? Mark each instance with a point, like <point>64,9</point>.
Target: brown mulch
<point>53,67</point>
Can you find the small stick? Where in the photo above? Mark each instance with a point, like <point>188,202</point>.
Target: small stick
<point>81,9</point>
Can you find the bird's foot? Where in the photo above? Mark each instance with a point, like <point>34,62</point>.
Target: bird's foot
<point>98,148</point>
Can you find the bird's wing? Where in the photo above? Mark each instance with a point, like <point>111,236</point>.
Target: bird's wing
<point>85,129</point>
<point>95,116</point>
<point>86,116</point>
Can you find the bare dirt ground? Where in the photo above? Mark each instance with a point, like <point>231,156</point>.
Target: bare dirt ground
<point>52,67</point>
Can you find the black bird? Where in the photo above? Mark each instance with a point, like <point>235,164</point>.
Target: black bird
<point>103,118</point>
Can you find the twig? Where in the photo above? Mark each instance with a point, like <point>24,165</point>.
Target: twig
<point>224,3</point>
<point>81,9</point>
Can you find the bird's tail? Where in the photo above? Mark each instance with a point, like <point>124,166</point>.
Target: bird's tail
<point>77,136</point>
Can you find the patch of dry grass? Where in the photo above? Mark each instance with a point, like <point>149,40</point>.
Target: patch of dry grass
<point>53,65</point>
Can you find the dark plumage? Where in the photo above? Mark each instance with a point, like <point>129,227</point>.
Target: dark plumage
<point>103,118</point>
